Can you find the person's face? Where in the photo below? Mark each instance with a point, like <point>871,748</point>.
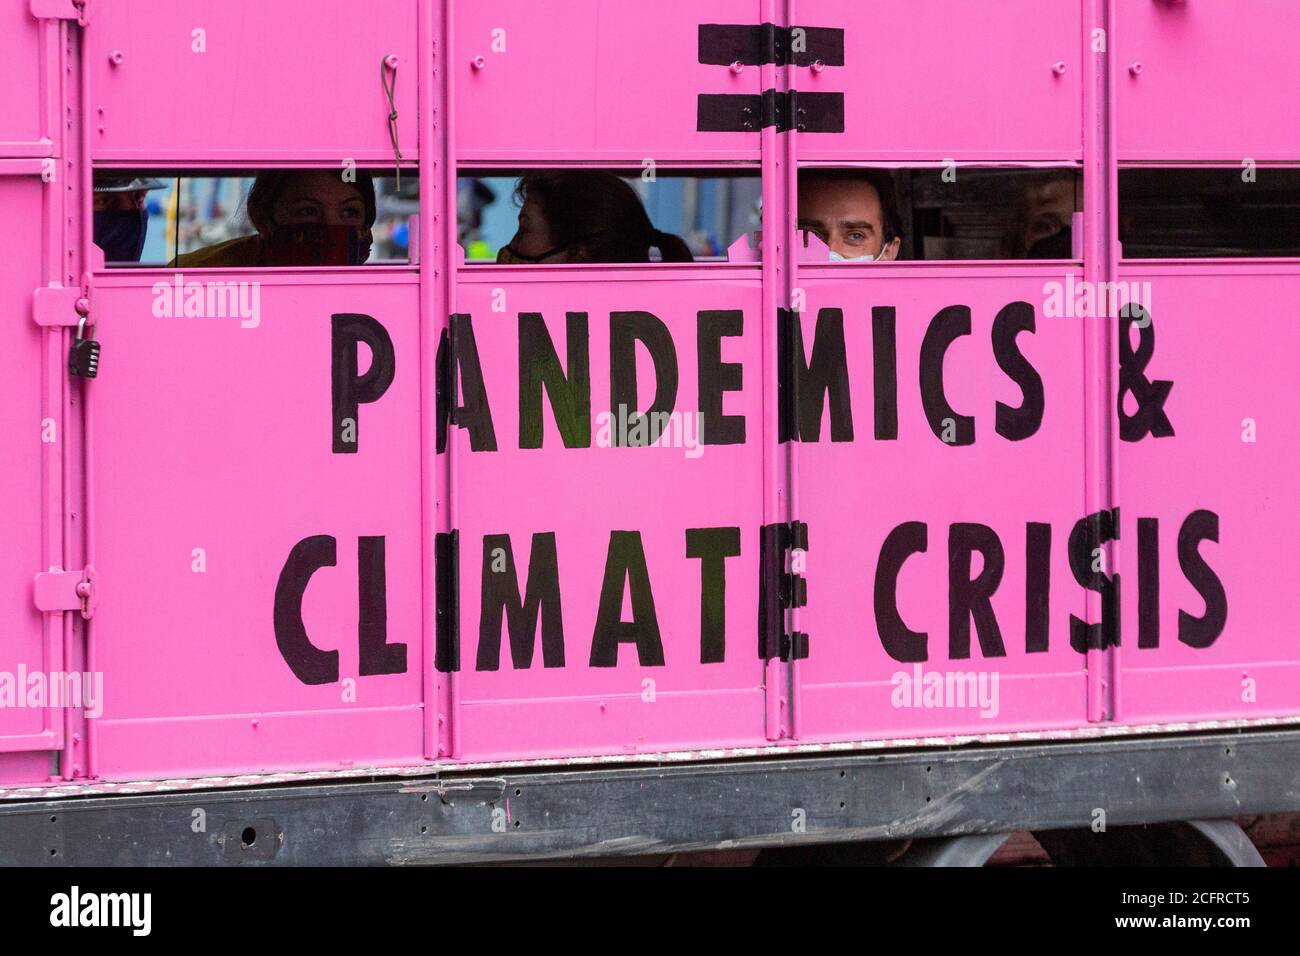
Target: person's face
<point>533,242</point>
<point>847,216</point>
<point>119,202</point>
<point>1050,207</point>
<point>319,197</point>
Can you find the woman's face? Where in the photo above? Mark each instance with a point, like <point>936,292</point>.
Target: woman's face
<point>319,196</point>
<point>532,242</point>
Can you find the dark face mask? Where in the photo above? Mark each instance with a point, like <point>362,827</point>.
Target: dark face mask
<point>510,256</point>
<point>316,244</point>
<point>120,233</point>
<point>1056,246</point>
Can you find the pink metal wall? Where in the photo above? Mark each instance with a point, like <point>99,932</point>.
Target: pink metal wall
<point>1219,491</point>
<point>197,533</point>
<point>231,82</point>
<point>951,79</point>
<point>895,501</point>
<point>271,596</point>
<point>667,679</point>
<point>1201,81</point>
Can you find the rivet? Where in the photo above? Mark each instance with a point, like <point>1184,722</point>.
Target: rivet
<point>1059,67</point>
<point>116,57</point>
<point>478,62</point>
<point>1135,68</point>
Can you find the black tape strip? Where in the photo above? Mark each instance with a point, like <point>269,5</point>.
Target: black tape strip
<point>446,563</point>
<point>772,542</point>
<point>721,44</point>
<point>794,646</point>
<point>727,113</point>
<point>817,43</point>
<point>814,113</point>
<point>745,112</point>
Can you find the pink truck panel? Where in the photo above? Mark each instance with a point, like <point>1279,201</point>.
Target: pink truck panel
<point>206,529</point>
<point>24,44</point>
<point>1190,80</point>
<point>1218,495</point>
<point>393,516</point>
<point>885,483</point>
<point>33,418</point>
<point>931,81</point>
<point>682,517</point>
<point>600,85</point>
<point>238,82</point>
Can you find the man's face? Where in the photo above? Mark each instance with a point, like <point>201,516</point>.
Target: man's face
<point>1049,208</point>
<point>847,216</point>
<point>119,202</point>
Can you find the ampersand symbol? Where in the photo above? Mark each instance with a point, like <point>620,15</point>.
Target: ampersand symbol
<point>1150,417</point>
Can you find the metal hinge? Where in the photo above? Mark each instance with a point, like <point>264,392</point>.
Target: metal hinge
<point>749,44</point>
<point>746,112</point>
<point>59,590</point>
<point>78,10</point>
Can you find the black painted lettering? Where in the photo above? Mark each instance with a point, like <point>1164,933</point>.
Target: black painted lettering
<point>309,663</point>
<point>625,567</point>
<point>969,598</point>
<point>500,590</point>
<point>713,546</point>
<point>717,376</point>
<point>900,642</point>
<point>539,367</point>
<point>350,390</point>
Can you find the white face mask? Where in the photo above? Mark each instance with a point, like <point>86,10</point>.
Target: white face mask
<point>878,257</point>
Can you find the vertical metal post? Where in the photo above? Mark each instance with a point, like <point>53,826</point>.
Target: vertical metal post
<point>86,220</point>
<point>1111,330</point>
<point>773,227</point>
<point>1098,205</point>
<point>791,237</point>
<point>438,261</point>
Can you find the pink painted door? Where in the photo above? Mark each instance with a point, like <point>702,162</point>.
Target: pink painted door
<point>27,48</point>
<point>32,413</point>
<point>259,542</point>
<point>31,376</point>
<point>1206,479</point>
<point>940,477</point>
<point>608,591</point>
<point>244,80</point>
<point>1206,80</point>
<point>929,80</point>
<point>601,80</point>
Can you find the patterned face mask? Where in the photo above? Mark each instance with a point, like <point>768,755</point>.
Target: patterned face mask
<point>316,244</point>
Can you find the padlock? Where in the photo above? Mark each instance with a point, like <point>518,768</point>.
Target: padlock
<point>83,360</point>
